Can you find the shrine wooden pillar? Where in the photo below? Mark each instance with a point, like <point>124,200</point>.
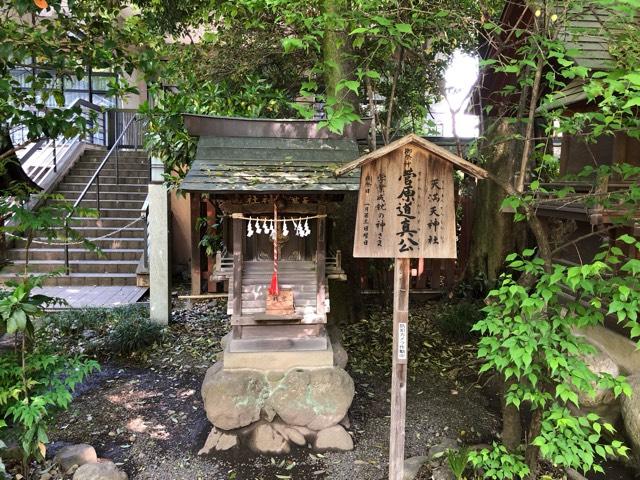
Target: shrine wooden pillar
<point>237,264</point>
<point>194,230</point>
<point>321,256</point>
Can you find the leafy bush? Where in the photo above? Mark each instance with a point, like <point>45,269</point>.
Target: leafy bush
<point>33,381</point>
<point>133,333</point>
<point>69,322</point>
<point>498,463</point>
<point>33,386</point>
<point>458,320</point>
<point>101,331</point>
<point>528,336</point>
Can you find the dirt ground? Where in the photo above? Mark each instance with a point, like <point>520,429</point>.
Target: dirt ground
<point>146,413</point>
<point>148,416</point>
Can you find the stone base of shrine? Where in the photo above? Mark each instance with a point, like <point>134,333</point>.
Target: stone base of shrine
<point>278,360</point>
<point>273,401</point>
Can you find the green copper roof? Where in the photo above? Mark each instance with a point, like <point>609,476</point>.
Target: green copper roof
<point>249,164</point>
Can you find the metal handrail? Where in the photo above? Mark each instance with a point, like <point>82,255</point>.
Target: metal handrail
<point>77,102</point>
<point>95,178</point>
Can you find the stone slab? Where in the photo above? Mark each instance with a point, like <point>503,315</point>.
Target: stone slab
<point>278,360</point>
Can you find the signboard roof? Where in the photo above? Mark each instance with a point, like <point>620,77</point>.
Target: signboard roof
<point>443,153</point>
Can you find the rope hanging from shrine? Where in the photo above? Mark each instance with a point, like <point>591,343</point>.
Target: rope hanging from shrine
<point>268,226</point>
<point>277,228</point>
<point>274,289</point>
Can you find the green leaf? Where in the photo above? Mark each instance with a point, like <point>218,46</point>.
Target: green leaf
<point>20,318</point>
<point>633,102</point>
<point>292,43</point>
<point>628,239</point>
<point>358,30</point>
<point>404,27</point>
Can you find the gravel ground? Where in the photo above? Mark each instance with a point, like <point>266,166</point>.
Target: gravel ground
<point>147,416</point>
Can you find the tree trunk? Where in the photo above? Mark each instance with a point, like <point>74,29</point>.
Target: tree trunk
<point>511,423</point>
<point>12,177</point>
<point>335,51</point>
<point>494,234</point>
<point>532,454</point>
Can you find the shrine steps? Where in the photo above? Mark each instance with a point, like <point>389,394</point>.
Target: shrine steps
<point>299,276</point>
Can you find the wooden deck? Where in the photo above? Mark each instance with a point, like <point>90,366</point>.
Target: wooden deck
<point>94,297</point>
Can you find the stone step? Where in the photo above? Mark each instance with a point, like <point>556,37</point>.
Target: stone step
<point>107,214</point>
<point>109,223</point>
<point>91,195</point>
<point>81,170</point>
<point>121,153</point>
<point>104,203</point>
<point>104,187</point>
<point>115,242</point>
<point>107,179</point>
<point>58,253</point>
<point>77,266</point>
<point>82,279</point>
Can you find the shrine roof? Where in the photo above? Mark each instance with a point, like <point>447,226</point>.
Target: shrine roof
<point>232,164</point>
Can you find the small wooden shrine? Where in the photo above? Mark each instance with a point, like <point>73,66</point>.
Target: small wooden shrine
<point>273,183</point>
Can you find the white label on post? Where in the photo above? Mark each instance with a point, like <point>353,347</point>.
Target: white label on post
<point>402,341</point>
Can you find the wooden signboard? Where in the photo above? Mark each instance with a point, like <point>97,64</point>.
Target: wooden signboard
<point>406,210</point>
<point>406,206</point>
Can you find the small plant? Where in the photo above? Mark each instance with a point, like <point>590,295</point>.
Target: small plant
<point>133,333</point>
<point>31,386</point>
<point>498,463</point>
<point>458,461</point>
<point>32,381</point>
<point>458,320</point>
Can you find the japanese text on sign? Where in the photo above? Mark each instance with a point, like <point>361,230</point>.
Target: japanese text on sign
<point>406,207</point>
<point>402,341</point>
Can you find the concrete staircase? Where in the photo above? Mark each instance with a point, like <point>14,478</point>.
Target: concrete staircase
<point>120,204</point>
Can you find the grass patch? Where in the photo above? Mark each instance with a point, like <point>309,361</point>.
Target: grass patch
<point>100,331</point>
<point>131,334</point>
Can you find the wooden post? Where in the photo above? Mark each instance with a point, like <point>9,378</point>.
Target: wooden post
<point>321,262</point>
<point>196,269</point>
<point>211,217</point>
<point>402,276</point>
<point>237,265</point>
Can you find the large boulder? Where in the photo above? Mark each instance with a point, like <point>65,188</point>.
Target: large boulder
<point>316,399</point>
<point>630,407</point>
<point>604,402</point>
<point>233,399</point>
<point>77,455</point>
<point>99,471</point>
